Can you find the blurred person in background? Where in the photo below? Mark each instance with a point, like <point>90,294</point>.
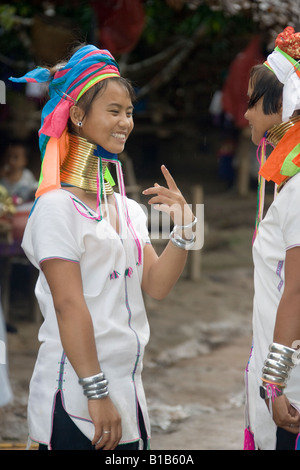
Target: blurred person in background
<point>14,176</point>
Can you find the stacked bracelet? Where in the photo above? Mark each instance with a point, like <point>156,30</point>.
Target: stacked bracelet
<point>94,387</point>
<point>180,242</point>
<point>279,363</point>
<point>186,227</point>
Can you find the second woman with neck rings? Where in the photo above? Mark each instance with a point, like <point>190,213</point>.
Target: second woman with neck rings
<point>273,374</point>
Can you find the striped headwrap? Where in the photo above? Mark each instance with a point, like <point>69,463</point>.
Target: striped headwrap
<point>88,66</point>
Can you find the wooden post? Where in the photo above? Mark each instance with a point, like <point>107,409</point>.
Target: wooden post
<point>194,260</point>
<point>243,160</point>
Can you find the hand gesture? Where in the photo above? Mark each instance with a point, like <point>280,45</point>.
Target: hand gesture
<point>170,200</point>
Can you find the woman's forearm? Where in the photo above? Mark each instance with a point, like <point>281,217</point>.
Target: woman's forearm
<point>287,326</point>
<point>77,337</point>
<point>161,273</point>
<point>73,317</point>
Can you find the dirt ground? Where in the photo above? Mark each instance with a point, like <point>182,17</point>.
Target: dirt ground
<point>199,346</point>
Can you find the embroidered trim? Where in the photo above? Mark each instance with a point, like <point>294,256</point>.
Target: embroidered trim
<point>61,371</point>
<point>114,275</point>
<point>58,257</point>
<point>128,272</point>
<point>278,273</point>
<point>89,212</point>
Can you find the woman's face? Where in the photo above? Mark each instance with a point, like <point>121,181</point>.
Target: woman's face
<point>110,120</point>
<point>260,122</point>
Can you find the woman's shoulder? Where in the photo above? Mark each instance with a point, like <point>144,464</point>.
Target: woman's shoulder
<point>292,185</point>
<point>53,196</point>
<point>53,202</point>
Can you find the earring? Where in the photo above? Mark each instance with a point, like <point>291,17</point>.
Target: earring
<point>79,123</point>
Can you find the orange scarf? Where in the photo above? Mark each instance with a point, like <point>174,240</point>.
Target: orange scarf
<point>284,161</point>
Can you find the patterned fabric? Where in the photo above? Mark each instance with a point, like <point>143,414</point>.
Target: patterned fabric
<point>289,42</point>
<point>286,69</point>
<point>86,67</point>
<point>284,161</point>
<point>69,83</point>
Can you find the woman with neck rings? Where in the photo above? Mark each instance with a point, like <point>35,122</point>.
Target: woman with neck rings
<point>92,249</point>
<point>273,373</point>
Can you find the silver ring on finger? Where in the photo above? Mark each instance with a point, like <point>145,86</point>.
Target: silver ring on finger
<point>106,432</point>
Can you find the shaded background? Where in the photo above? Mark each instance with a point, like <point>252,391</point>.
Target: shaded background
<point>178,54</point>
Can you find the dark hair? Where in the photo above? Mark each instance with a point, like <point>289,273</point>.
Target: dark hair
<point>85,102</point>
<point>265,84</point>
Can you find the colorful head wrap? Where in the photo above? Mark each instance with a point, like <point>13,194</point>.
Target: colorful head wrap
<point>282,62</point>
<point>289,42</point>
<point>88,66</point>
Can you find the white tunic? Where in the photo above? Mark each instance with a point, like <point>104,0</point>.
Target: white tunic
<point>278,232</point>
<point>112,290</point>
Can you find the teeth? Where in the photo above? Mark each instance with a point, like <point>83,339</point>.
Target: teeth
<point>119,136</point>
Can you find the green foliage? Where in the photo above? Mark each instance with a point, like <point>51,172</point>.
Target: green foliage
<point>7,13</point>
<point>164,24</point>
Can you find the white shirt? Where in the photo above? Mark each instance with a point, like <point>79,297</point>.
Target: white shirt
<point>278,232</point>
<point>56,229</point>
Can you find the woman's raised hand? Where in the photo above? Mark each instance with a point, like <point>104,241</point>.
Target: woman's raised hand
<point>170,200</point>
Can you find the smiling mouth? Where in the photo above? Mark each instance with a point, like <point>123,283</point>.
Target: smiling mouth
<point>119,136</point>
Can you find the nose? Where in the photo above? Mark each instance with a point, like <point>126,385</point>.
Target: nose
<point>125,121</point>
<point>246,115</point>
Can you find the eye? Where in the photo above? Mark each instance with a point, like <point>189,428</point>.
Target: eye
<point>252,101</point>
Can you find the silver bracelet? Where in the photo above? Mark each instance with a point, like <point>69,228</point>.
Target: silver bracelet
<point>98,396</point>
<point>281,349</point>
<point>280,361</point>
<point>92,379</point>
<point>181,242</point>
<point>185,227</point>
<point>94,387</point>
<point>100,393</point>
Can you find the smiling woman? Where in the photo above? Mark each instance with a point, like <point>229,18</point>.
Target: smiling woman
<point>109,120</point>
<point>91,246</point>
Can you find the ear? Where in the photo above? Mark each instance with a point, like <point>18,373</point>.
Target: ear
<point>76,114</point>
